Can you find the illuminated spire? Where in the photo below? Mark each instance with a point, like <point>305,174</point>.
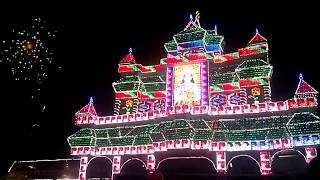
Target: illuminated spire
<point>304,88</point>
<point>257,38</point>
<point>128,59</point>
<point>87,109</point>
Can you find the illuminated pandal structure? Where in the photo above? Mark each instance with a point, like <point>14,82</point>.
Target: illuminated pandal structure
<point>198,98</point>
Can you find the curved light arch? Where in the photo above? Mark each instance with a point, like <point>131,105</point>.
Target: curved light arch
<point>99,157</point>
<point>243,155</point>
<point>133,159</point>
<point>197,157</point>
<point>272,157</point>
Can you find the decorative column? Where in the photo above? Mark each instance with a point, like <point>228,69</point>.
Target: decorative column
<point>311,153</point>
<point>117,106</point>
<point>116,165</point>
<point>243,96</point>
<point>169,87</point>
<point>265,163</point>
<point>83,168</point>
<point>221,162</point>
<point>267,92</point>
<point>204,83</point>
<point>151,163</point>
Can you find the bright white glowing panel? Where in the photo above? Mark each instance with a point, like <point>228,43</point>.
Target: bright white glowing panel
<point>187,84</point>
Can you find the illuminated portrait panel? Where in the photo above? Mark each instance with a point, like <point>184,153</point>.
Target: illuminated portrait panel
<point>187,85</point>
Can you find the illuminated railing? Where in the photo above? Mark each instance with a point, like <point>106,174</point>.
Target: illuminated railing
<point>283,143</point>
<point>194,110</point>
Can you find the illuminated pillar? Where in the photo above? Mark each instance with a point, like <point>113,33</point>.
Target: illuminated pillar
<point>265,163</point>
<point>243,96</point>
<point>151,163</point>
<point>267,92</point>
<point>204,83</point>
<point>117,106</point>
<point>116,165</point>
<point>221,162</point>
<point>169,87</point>
<point>83,168</point>
<point>311,153</point>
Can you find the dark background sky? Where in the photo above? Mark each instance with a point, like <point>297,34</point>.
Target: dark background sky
<point>93,37</point>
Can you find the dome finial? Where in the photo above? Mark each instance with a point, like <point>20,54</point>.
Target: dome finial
<point>130,50</point>
<point>300,76</point>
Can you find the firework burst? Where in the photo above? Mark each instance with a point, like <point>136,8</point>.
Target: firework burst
<point>27,52</point>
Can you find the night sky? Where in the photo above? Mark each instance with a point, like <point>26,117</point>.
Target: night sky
<point>92,39</point>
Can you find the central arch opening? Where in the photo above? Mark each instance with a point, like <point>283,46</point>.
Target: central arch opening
<point>288,163</point>
<point>186,168</point>
<point>99,168</point>
<point>243,165</point>
<point>133,169</point>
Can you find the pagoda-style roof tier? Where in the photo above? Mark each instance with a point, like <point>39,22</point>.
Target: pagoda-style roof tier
<point>281,106</point>
<point>195,44</point>
<point>254,51</point>
<point>140,86</point>
<point>239,73</point>
<point>239,134</point>
<point>138,68</point>
<point>194,37</point>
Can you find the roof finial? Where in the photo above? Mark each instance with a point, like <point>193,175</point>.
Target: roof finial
<point>91,100</point>
<point>216,29</point>
<point>130,50</point>
<point>257,31</point>
<point>191,17</point>
<point>197,15</point>
<point>300,76</point>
